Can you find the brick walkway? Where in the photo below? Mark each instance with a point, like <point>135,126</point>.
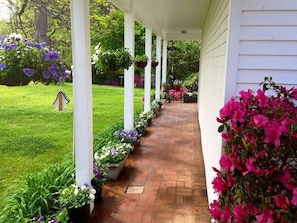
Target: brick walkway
<point>168,165</point>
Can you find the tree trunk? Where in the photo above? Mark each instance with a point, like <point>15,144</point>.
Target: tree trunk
<point>41,21</point>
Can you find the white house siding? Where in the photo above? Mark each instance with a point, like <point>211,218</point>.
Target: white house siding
<point>268,43</point>
<point>212,84</point>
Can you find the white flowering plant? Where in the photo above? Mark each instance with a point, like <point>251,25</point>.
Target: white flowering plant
<point>141,126</point>
<point>103,58</point>
<point>75,197</point>
<point>177,82</point>
<point>113,152</point>
<point>149,115</point>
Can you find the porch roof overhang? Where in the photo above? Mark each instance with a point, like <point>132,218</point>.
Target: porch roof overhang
<point>171,19</point>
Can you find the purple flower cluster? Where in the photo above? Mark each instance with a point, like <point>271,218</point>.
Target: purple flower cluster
<point>128,136</point>
<point>100,171</point>
<point>33,58</point>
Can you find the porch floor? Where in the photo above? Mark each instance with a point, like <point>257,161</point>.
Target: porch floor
<point>165,176</point>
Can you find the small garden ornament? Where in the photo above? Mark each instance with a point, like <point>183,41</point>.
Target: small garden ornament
<point>61,101</point>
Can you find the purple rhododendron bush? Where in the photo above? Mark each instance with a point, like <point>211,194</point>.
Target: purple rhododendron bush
<point>257,181</point>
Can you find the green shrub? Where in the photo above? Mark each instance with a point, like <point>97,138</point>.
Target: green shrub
<point>191,82</point>
<point>39,196</point>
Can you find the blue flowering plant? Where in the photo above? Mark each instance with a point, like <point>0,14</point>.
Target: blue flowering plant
<point>75,197</point>
<point>22,61</point>
<point>127,136</point>
<point>100,172</point>
<point>113,152</point>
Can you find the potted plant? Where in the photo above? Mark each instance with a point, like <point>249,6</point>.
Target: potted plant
<point>141,126</point>
<point>168,97</point>
<point>115,154</point>
<point>127,136</point>
<point>165,87</point>
<point>148,116</point>
<point>77,201</point>
<point>100,172</point>
<point>189,97</point>
<point>160,102</point>
<point>155,107</point>
<point>256,181</point>
<point>177,84</point>
<point>140,60</point>
<point>155,62</point>
<point>111,60</point>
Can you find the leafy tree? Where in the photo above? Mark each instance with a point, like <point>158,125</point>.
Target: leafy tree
<point>52,25</point>
<point>184,61</point>
<point>107,25</point>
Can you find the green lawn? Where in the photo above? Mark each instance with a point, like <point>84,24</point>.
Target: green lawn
<point>34,134</point>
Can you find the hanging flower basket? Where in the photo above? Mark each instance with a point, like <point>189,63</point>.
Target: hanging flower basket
<point>155,63</point>
<point>140,64</point>
<point>141,60</point>
<point>112,67</point>
<point>111,60</point>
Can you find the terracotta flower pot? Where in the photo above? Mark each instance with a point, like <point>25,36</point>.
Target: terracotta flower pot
<point>165,87</point>
<point>177,87</point>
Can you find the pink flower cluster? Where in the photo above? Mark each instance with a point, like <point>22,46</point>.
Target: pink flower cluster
<point>257,181</point>
<point>177,95</point>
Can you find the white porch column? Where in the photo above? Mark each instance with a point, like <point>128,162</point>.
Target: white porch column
<point>158,68</point>
<point>129,74</point>
<point>164,61</point>
<point>82,91</point>
<point>148,69</point>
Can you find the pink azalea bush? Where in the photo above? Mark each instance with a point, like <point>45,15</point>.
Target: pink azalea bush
<point>257,181</point>
<point>177,95</point>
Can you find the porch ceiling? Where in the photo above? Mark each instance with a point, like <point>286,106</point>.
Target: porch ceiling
<point>172,19</point>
